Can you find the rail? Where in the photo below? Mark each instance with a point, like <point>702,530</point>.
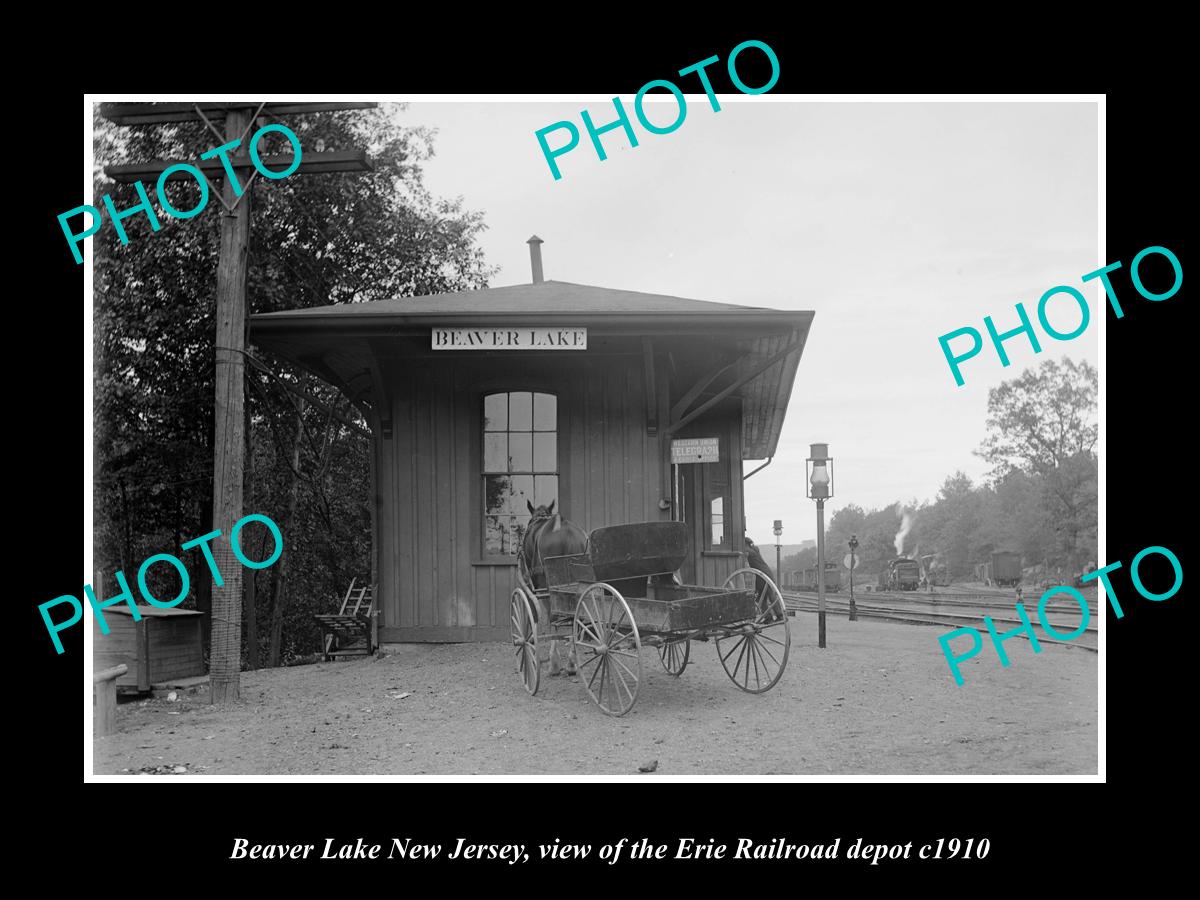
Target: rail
<point>911,613</point>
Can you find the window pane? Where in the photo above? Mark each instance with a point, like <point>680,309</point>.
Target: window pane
<point>495,452</point>
<point>718,521</point>
<point>520,493</point>
<point>544,455</point>
<point>495,494</point>
<point>545,489</point>
<point>545,412</point>
<point>493,537</point>
<point>520,452</point>
<point>515,534</point>
<point>519,438</point>
<point>495,412</point>
<point>520,411</point>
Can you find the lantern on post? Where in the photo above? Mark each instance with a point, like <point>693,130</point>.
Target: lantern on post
<point>819,470</point>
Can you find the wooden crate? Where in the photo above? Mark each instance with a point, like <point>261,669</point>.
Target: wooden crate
<point>166,644</point>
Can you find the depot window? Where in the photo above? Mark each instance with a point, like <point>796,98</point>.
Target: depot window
<point>520,465</point>
<point>717,504</point>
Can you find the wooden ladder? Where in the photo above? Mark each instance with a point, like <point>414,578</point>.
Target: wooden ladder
<point>352,631</point>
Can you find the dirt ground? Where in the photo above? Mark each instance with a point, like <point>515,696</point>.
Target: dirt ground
<point>879,700</point>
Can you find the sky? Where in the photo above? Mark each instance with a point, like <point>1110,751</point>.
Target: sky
<point>895,223</point>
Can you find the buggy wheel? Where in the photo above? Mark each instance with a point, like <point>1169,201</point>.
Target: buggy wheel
<point>755,654</point>
<point>674,656</point>
<point>524,638</point>
<point>607,649</point>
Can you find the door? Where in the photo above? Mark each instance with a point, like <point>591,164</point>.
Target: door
<point>703,499</point>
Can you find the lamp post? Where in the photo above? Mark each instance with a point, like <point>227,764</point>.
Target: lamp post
<point>853,547</point>
<point>819,469</point>
<point>778,565</point>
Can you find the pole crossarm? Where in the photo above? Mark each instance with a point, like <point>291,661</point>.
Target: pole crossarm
<point>310,164</point>
<point>155,113</point>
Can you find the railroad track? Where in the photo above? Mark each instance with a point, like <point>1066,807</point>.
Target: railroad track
<point>911,613</point>
<point>948,601</point>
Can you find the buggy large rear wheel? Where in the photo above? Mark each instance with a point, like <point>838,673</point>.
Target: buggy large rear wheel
<point>755,654</point>
<point>524,638</point>
<point>524,576</point>
<point>607,649</point>
<point>674,656</point>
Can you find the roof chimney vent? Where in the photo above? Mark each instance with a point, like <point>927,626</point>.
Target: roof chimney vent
<point>535,258</point>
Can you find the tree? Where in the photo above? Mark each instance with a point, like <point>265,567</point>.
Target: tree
<point>1043,418</point>
<point>1043,424</point>
<point>797,562</point>
<point>332,239</point>
<point>847,521</point>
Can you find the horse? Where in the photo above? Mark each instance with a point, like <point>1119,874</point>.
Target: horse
<point>549,534</point>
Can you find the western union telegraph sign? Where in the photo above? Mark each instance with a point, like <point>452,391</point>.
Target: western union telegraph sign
<point>509,338</point>
<point>695,450</point>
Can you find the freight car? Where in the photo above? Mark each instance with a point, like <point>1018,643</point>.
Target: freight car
<point>1006,568</point>
<point>833,578</point>
<point>1002,570</point>
<point>902,574</point>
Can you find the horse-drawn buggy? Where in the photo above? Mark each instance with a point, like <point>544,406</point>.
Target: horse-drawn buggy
<point>622,593</point>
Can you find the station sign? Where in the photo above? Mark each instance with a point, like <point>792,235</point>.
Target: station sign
<point>522,338</point>
<point>696,450</point>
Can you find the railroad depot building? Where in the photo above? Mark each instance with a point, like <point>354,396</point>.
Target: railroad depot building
<point>481,402</point>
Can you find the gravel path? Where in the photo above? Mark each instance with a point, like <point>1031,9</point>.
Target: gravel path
<point>879,700</point>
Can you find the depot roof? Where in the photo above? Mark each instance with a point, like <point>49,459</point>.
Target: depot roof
<point>533,299</point>
<point>333,341</point>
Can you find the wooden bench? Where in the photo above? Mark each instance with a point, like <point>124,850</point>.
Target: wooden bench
<point>354,631</point>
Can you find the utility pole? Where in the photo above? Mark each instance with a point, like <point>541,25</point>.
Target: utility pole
<point>819,467</point>
<point>820,573</point>
<point>778,565</point>
<point>229,439</point>
<point>853,563</point>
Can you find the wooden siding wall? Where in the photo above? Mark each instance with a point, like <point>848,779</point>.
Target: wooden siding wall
<point>433,585</point>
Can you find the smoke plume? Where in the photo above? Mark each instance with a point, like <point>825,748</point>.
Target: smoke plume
<point>905,527</point>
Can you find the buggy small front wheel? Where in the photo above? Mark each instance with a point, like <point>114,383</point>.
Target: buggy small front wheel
<point>607,649</point>
<point>674,656</point>
<point>524,638</point>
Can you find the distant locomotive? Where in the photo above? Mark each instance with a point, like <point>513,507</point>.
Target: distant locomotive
<point>807,579</point>
<point>902,574</point>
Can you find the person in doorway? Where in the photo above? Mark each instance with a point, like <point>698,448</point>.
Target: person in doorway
<point>755,558</point>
